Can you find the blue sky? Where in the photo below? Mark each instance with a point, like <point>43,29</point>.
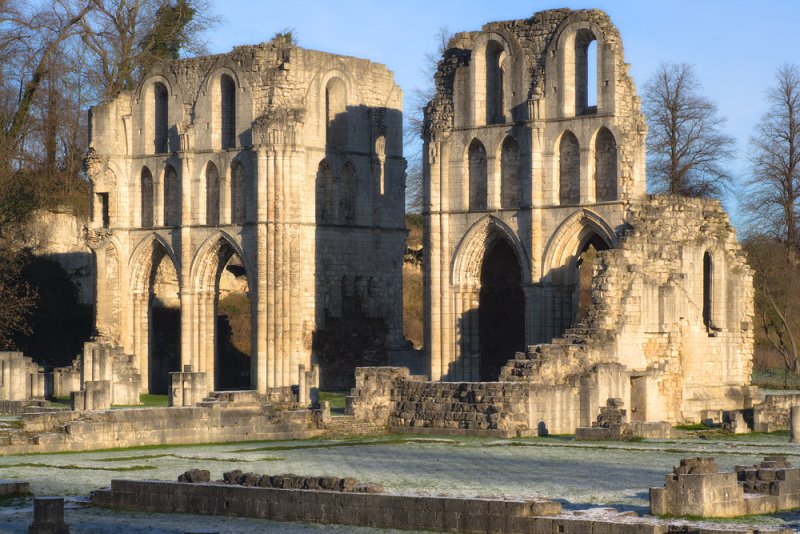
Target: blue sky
<point>736,46</point>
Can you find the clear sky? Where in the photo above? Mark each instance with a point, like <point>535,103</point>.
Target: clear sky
<point>735,45</point>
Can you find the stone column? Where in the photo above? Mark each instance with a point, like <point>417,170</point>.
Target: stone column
<point>260,363</point>
<point>188,323</point>
<point>48,516</point>
<point>587,180</point>
<point>431,274</point>
<point>794,424</point>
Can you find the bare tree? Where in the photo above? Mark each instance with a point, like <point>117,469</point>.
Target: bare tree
<point>686,147</point>
<point>415,117</point>
<point>774,185</point>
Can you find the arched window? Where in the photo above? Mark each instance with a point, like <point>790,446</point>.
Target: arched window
<point>708,287</point>
<point>172,200</point>
<point>227,91</point>
<point>336,115</point>
<point>325,194</point>
<point>509,174</point>
<point>477,176</point>
<point>569,169</point>
<point>495,83</point>
<point>583,40</point>
<point>347,200</point>
<point>238,194</point>
<point>212,195</point>
<point>147,198</point>
<point>160,118</point>
<point>605,166</point>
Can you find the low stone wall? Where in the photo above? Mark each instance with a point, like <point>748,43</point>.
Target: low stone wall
<point>217,422</point>
<point>774,413</point>
<point>24,406</point>
<point>380,510</point>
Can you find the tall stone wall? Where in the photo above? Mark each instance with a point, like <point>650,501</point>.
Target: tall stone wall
<point>283,161</point>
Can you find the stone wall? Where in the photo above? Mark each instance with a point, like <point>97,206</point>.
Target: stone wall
<point>301,187</point>
<point>381,510</point>
<point>774,413</point>
<point>20,377</point>
<point>211,423</point>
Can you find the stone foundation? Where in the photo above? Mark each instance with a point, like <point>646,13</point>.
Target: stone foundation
<point>697,488</point>
<point>212,422</point>
<point>611,426</point>
<point>380,510</point>
<point>774,413</point>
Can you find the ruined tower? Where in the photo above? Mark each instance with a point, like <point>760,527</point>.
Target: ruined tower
<point>547,263</point>
<point>276,165</point>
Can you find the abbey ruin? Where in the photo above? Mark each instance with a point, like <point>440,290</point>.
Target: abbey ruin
<point>279,164</point>
<point>554,286</point>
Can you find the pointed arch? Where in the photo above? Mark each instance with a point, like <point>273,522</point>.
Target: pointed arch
<point>469,254</point>
<point>160,118</point>
<point>213,254</point>
<point>569,169</point>
<point>605,165</point>
<point>477,168</point>
<point>227,103</point>
<point>336,114</point>
<point>238,197</point>
<point>325,194</point>
<point>145,259</point>
<point>570,239</point>
<point>212,194</point>
<point>146,192</point>
<point>510,192</point>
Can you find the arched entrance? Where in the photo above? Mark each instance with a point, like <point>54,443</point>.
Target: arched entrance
<point>225,316</point>
<point>156,314</point>
<point>501,309</point>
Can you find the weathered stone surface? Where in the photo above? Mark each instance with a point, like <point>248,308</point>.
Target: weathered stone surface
<point>10,488</point>
<point>287,162</point>
<point>20,378</point>
<point>195,475</point>
<point>48,516</point>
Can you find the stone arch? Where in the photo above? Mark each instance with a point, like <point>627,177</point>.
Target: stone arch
<point>470,251</point>
<point>495,82</point>
<point>149,254</point>
<point>160,118</point>
<point>494,52</point>
<point>146,192</point>
<point>208,264</point>
<point>510,187</point>
<point>212,181</point>
<point>567,242</point>
<point>605,165</point>
<point>490,271</point>
<point>238,183</point>
<point>477,170</point>
<point>336,114</point>
<point>227,103</point>
<point>569,169</point>
<point>172,197</point>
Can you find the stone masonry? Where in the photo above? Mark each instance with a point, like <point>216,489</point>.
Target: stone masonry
<point>283,160</point>
<point>20,378</point>
<point>545,257</point>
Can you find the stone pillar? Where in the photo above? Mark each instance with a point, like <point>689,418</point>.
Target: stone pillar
<point>313,390</point>
<point>188,323</point>
<point>431,269</point>
<point>48,516</point>
<point>794,424</point>
<point>302,385</point>
<point>261,364</point>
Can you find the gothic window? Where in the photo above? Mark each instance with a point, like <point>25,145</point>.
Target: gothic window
<point>227,111</point>
<point>325,193</point>
<point>147,198</point>
<point>569,169</point>
<point>585,73</point>
<point>172,207</point>
<point>509,174</point>
<point>336,115</point>
<point>160,118</point>
<point>495,83</point>
<point>212,195</point>
<point>477,176</point>
<point>605,166</point>
<point>238,195</point>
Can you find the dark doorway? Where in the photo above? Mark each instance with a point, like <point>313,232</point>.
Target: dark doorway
<point>501,309</point>
<point>165,337</point>
<point>165,327</point>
